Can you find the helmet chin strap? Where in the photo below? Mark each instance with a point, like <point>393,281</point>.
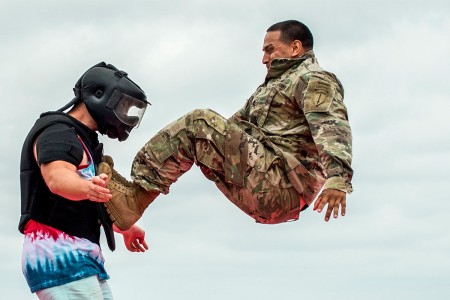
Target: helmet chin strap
<point>121,133</point>
<point>111,134</point>
<point>70,104</point>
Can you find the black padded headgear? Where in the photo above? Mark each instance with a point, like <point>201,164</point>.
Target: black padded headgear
<point>110,96</point>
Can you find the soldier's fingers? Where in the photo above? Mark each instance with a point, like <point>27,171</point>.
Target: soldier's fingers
<point>343,206</point>
<point>329,209</point>
<point>336,209</point>
<point>316,203</point>
<point>323,201</point>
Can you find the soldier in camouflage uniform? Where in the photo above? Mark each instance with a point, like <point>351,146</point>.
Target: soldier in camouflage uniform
<point>272,158</point>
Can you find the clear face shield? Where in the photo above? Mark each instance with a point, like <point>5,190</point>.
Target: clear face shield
<point>127,109</point>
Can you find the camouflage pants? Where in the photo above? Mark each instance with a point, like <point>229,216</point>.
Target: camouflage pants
<point>247,173</point>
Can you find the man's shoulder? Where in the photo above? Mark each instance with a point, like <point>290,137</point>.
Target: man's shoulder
<point>52,120</point>
<point>311,70</point>
<point>48,124</point>
<point>59,141</point>
<point>59,130</point>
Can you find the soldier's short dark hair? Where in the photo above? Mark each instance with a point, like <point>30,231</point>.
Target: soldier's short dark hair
<point>292,30</point>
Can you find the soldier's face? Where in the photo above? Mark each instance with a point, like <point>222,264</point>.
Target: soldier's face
<point>273,47</point>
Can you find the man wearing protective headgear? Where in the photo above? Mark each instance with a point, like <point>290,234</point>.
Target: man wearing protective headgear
<point>62,206</point>
<point>290,143</point>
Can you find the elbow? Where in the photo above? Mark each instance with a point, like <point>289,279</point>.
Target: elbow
<point>53,186</point>
<point>55,182</point>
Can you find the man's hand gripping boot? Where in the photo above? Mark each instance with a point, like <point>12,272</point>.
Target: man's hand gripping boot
<point>129,200</point>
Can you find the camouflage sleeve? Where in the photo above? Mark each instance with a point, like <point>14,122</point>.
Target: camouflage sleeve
<point>241,114</point>
<point>321,99</point>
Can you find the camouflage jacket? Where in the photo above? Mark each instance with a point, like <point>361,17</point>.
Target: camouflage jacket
<point>299,113</point>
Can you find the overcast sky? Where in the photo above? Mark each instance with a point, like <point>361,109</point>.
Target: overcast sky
<point>393,60</point>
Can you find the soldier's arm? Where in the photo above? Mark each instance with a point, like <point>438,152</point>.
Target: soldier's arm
<point>241,114</point>
<point>322,102</point>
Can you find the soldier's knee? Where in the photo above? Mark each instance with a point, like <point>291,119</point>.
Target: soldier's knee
<point>201,114</point>
<point>205,117</point>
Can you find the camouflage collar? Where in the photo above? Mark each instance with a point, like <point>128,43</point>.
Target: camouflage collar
<point>281,65</point>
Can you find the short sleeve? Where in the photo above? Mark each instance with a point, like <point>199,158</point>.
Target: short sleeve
<point>59,142</point>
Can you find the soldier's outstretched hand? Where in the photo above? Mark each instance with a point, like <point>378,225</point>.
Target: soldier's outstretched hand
<point>334,200</point>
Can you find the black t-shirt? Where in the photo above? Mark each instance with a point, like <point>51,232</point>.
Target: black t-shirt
<point>59,142</point>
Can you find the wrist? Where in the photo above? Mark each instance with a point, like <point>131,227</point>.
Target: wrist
<point>338,183</point>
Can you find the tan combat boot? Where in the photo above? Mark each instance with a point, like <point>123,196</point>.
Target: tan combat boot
<point>129,200</point>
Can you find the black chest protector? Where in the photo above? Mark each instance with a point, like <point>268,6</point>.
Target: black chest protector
<point>78,218</point>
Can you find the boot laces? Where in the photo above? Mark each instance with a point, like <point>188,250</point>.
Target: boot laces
<point>120,179</point>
